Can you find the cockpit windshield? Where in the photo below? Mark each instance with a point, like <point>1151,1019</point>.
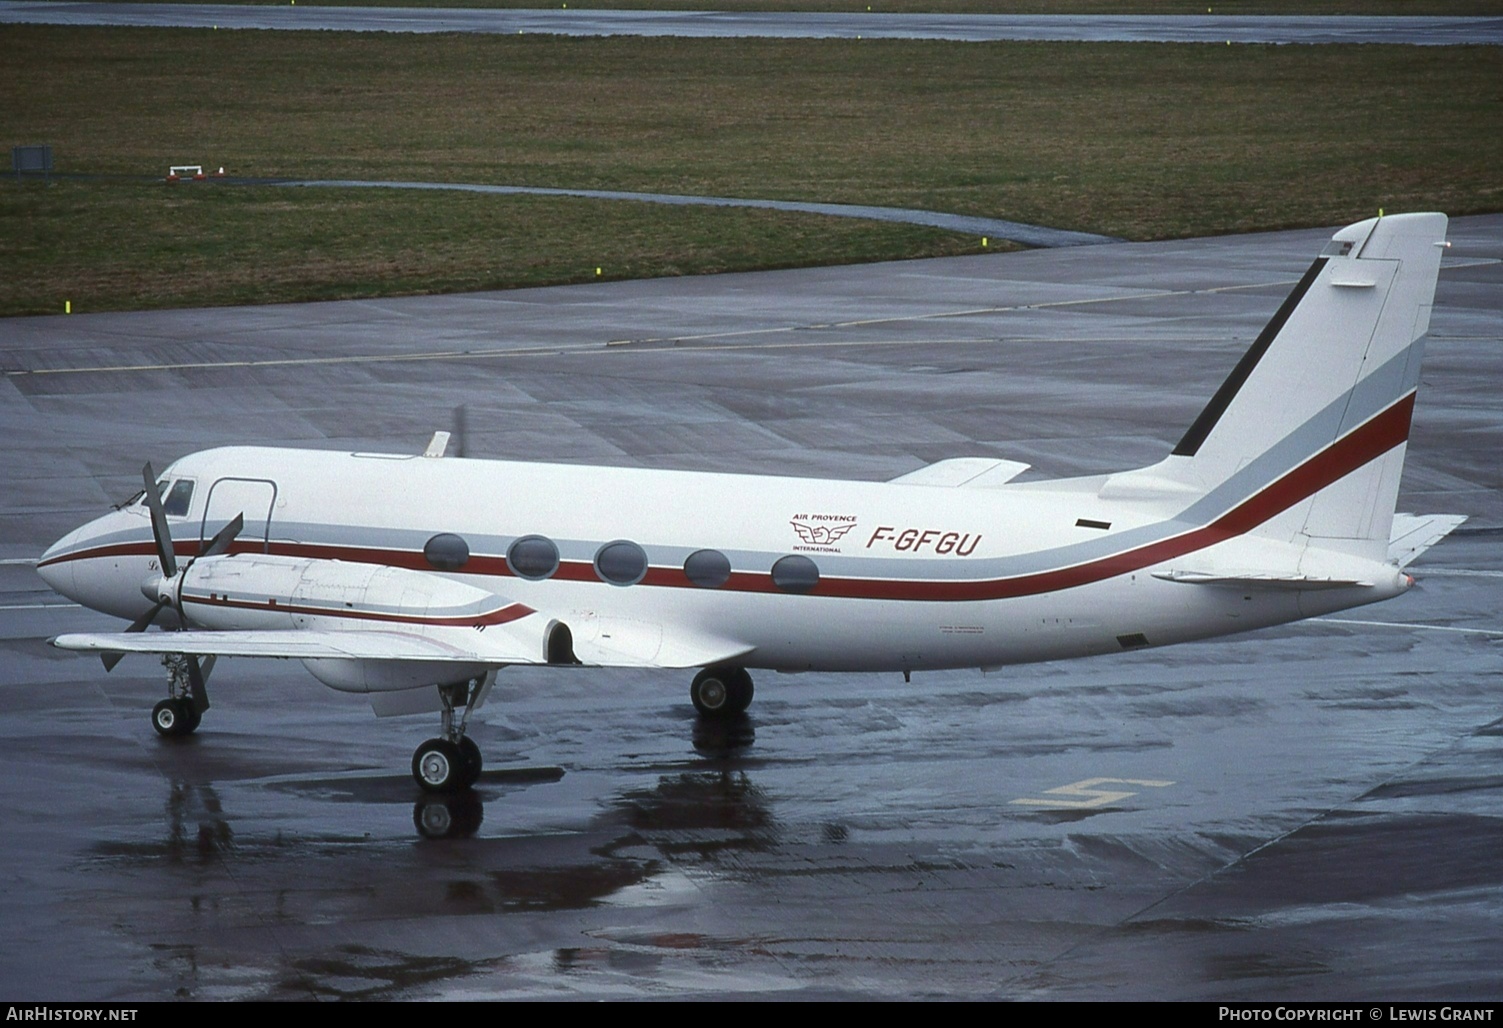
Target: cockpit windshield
<point>177,497</point>
<point>176,502</point>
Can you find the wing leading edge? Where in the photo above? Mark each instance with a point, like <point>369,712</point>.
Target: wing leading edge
<point>617,644</point>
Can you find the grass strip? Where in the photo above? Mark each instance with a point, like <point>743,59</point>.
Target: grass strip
<point>1135,140</point>
<point>135,245</point>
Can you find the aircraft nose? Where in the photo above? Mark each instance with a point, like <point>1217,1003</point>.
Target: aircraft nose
<point>95,565</point>
<point>56,571</point>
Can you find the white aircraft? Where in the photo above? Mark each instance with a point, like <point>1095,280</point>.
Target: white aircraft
<point>405,576</point>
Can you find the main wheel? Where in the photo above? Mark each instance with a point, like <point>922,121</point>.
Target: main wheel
<point>472,760</point>
<point>741,688</point>
<point>439,766</point>
<point>173,718</point>
<point>721,691</point>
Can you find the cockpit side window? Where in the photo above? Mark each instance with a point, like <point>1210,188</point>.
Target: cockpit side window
<point>175,503</point>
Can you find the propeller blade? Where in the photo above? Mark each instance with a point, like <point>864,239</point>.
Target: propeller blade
<point>199,696</point>
<point>223,538</point>
<point>159,529</point>
<point>139,625</point>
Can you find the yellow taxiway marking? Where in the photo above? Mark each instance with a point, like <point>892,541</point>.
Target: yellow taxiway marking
<point>1084,793</point>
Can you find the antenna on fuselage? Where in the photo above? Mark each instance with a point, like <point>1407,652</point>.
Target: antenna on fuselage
<point>439,445</point>
<point>461,416</point>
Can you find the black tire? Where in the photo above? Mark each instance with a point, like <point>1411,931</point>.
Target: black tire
<point>173,718</point>
<point>713,692</point>
<point>439,766</point>
<point>472,759</point>
<point>741,689</point>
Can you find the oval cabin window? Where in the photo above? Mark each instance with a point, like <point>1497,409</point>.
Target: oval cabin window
<point>708,569</point>
<point>795,574</point>
<point>621,563</point>
<point>532,557</point>
<point>447,551</point>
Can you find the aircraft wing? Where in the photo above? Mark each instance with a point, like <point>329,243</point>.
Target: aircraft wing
<point>971,472</point>
<point>599,642</point>
<point>1413,534</point>
<point>309,644</point>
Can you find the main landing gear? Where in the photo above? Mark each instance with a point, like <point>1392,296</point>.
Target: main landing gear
<point>452,762</point>
<point>721,692</point>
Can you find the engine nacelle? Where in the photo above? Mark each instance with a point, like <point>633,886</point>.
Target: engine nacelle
<point>263,591</point>
<point>268,592</point>
<point>365,676</point>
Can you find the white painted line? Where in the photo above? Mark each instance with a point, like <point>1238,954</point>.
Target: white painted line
<point>367,358</point>
<point>964,313</point>
<point>1409,624</point>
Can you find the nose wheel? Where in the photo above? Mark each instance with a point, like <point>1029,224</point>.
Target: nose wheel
<point>183,710</point>
<point>175,718</point>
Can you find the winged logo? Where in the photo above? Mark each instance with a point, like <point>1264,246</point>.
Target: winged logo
<point>820,535</point>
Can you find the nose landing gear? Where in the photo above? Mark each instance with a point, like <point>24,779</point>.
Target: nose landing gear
<point>174,718</point>
<point>183,710</point>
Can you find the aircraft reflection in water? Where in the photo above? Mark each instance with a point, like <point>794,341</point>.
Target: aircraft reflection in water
<point>413,579</point>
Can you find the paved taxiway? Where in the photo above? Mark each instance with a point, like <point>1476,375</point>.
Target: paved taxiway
<point>1326,807</point>
<point>1210,28</point>
<point>996,228</point>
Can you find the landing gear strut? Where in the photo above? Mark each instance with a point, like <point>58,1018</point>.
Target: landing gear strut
<point>183,710</point>
<point>721,692</point>
<point>452,762</point>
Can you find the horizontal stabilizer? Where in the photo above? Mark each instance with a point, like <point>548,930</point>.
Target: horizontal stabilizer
<point>972,472</point>
<point>1413,534</point>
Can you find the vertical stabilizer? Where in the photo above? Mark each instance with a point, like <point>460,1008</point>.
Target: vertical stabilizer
<point>1311,424</point>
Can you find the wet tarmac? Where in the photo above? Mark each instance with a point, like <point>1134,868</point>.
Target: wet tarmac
<point>1314,812</point>
<point>1208,28</point>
